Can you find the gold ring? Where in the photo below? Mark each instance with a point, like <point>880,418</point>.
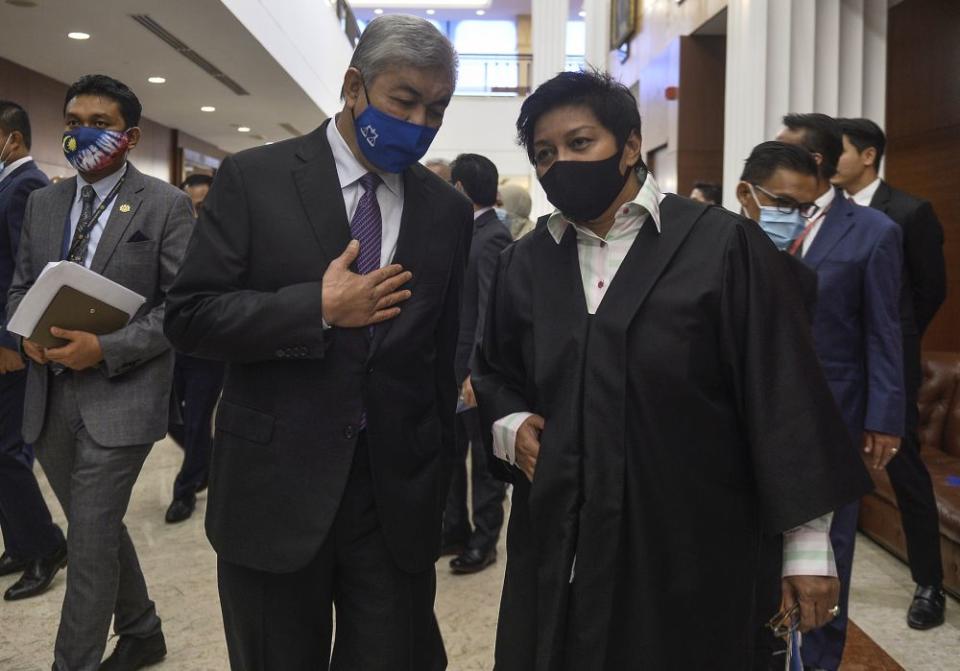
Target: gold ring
<point>834,611</point>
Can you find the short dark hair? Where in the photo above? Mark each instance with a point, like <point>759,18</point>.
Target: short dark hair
<point>864,133</point>
<point>14,118</point>
<point>102,85</point>
<point>609,100</point>
<point>821,135</point>
<point>479,177</point>
<point>768,157</point>
<point>712,192</point>
<point>197,179</point>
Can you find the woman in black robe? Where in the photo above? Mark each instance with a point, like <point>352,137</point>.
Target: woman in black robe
<point>662,419</point>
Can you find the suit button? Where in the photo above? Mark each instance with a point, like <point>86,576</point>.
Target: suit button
<point>349,432</point>
<point>280,353</point>
<point>370,370</point>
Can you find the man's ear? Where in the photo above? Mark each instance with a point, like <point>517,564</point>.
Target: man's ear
<point>133,137</point>
<point>632,153</point>
<point>869,157</point>
<point>352,86</point>
<point>744,197</point>
<point>817,156</point>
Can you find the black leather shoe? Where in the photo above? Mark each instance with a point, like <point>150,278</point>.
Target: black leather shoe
<point>926,611</point>
<point>9,565</point>
<point>473,561</point>
<point>181,509</point>
<point>37,576</point>
<point>136,653</point>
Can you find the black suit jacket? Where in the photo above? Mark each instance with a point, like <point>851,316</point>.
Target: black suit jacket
<point>925,276</point>
<point>250,293</point>
<point>14,191</point>
<point>490,237</point>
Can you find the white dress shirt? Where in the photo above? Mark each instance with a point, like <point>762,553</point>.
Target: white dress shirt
<point>9,170</point>
<point>865,195</point>
<point>390,199</point>
<point>806,549</point>
<point>823,202</point>
<point>103,189</point>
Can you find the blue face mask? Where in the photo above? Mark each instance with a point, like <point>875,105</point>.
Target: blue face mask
<point>782,229</point>
<point>389,143</point>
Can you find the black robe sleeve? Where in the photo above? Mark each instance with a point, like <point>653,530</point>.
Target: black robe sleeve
<point>804,460</point>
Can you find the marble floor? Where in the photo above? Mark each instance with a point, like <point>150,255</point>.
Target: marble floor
<point>181,570</point>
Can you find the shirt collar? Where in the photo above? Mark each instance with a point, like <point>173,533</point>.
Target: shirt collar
<point>865,195</point>
<point>102,187</point>
<point>480,213</point>
<point>629,217</point>
<point>824,202</point>
<point>349,169</point>
<point>13,166</point>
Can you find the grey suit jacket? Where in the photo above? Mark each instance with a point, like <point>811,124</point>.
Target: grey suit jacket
<point>124,400</point>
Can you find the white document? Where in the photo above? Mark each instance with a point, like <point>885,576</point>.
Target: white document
<point>55,276</point>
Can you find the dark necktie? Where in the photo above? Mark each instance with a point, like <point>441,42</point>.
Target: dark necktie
<point>81,237</point>
<point>367,227</point>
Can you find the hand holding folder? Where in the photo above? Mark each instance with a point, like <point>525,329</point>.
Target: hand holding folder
<point>71,297</point>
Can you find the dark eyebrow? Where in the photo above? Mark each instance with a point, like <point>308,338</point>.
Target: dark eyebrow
<point>406,88</point>
<point>580,128</point>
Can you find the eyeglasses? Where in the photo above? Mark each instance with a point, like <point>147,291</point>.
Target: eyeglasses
<point>787,205</point>
<point>785,622</point>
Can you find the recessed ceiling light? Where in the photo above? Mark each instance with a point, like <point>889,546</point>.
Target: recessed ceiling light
<point>243,129</point>
<point>378,11</point>
<point>582,13</point>
<point>157,80</point>
<point>208,108</point>
<point>78,36</point>
<point>481,12</point>
<point>431,12</point>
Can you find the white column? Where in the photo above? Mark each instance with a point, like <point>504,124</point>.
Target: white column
<point>597,22</point>
<point>785,56</point>
<point>549,29</point>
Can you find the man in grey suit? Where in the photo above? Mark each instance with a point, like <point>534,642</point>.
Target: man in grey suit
<point>95,405</point>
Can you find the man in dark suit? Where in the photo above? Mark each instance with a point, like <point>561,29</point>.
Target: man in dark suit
<point>32,543</point>
<point>196,388</point>
<point>477,177</point>
<point>857,253</point>
<point>326,272</point>
<point>923,290</point>
<point>95,405</point>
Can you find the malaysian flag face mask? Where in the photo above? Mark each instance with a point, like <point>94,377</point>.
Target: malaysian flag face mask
<point>90,150</point>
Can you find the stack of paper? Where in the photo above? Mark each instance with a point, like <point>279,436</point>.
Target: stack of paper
<point>69,296</point>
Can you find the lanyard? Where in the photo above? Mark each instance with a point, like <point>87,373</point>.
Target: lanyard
<point>106,202</point>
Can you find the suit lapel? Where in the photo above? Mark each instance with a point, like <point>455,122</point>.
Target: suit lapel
<point>13,175</point>
<point>647,260</point>
<point>320,193</point>
<point>414,222</point>
<point>124,210</point>
<point>836,224</point>
<point>56,219</point>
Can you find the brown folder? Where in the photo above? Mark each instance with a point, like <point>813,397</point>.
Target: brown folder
<point>76,311</point>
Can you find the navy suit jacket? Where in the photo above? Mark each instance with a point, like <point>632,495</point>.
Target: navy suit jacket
<point>858,256</point>
<point>14,191</point>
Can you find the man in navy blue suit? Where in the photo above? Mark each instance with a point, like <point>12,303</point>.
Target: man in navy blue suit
<point>857,253</point>
<point>32,543</point>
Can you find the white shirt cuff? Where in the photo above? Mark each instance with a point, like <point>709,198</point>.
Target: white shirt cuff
<point>505,436</point>
<point>807,549</point>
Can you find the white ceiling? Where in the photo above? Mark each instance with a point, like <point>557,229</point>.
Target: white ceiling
<point>498,9</point>
<point>37,39</point>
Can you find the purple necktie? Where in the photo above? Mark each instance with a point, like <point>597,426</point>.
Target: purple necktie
<point>366,226</point>
<point>367,229</point>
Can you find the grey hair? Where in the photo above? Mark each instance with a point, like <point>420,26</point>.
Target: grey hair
<point>403,40</point>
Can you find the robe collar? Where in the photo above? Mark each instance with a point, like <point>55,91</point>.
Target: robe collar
<point>628,219</point>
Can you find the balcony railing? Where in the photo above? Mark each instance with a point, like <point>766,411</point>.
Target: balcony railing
<point>501,74</point>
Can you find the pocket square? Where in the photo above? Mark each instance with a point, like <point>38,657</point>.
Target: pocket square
<point>138,237</point>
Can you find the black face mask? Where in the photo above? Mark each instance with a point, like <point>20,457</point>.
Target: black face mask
<point>583,190</point>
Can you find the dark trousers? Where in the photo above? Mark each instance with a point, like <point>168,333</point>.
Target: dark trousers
<point>28,531</point>
<point>384,616</point>
<point>912,485</point>
<point>196,388</point>
<point>488,492</point>
<point>93,484</point>
<point>823,647</point>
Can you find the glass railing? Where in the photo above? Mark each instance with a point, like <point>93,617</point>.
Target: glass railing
<point>348,22</point>
<point>501,74</point>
